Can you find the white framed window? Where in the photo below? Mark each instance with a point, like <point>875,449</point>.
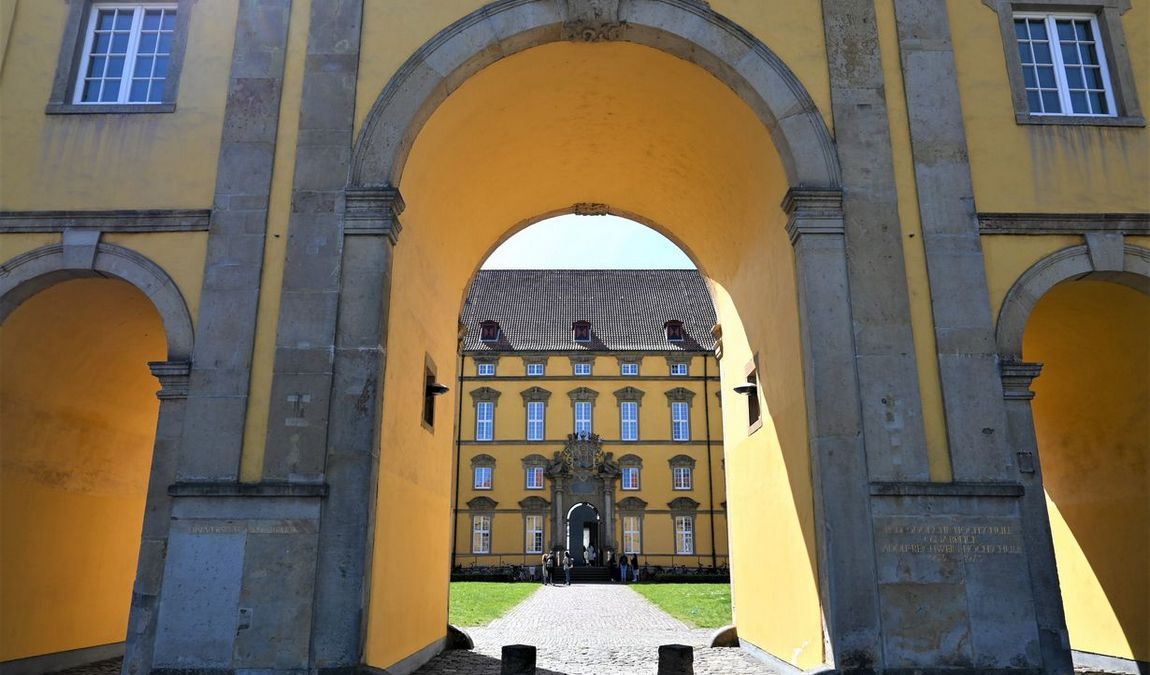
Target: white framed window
<point>1064,66</point>
<point>630,478</point>
<point>483,477</point>
<point>481,534</point>
<point>629,420</point>
<point>681,477</point>
<point>534,477</point>
<point>628,368</point>
<point>680,421</point>
<point>484,420</point>
<point>632,534</point>
<point>534,529</point>
<point>582,417</point>
<point>679,369</point>
<point>127,54</point>
<point>485,369</point>
<point>582,368</point>
<point>535,370</point>
<point>536,420</point>
<point>684,535</point>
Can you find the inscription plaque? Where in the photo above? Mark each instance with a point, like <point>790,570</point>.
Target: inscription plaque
<point>966,539</point>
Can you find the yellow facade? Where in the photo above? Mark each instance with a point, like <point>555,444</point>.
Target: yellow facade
<point>657,138</point>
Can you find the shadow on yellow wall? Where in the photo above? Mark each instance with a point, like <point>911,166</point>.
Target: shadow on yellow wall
<point>79,416</point>
<point>1092,418</point>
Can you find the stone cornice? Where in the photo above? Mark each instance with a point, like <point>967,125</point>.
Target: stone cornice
<point>1063,223</point>
<point>173,376</point>
<point>813,211</point>
<point>1016,379</point>
<point>373,211</point>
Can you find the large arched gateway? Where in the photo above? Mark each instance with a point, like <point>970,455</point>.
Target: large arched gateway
<point>819,162</point>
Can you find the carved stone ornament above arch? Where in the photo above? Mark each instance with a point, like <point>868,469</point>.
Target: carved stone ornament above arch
<point>630,394</point>
<point>631,504</point>
<point>81,255</point>
<point>482,460</point>
<point>687,29</point>
<point>1105,257</point>
<point>482,504</point>
<point>485,394</point>
<point>583,394</point>
<point>679,504</point>
<point>535,394</point>
<point>534,504</point>
<point>680,394</point>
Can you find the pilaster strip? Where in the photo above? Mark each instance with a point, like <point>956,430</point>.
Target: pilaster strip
<point>221,371</point>
<point>880,302</point>
<point>963,324</point>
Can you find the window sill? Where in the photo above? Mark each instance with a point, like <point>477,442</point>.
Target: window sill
<point>109,109</point>
<point>1080,121</point>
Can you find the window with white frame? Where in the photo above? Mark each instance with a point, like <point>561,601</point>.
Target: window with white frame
<point>680,421</point>
<point>628,368</point>
<point>679,369</point>
<point>632,534</point>
<point>582,417</point>
<point>681,477</point>
<point>483,477</point>
<point>127,54</point>
<point>536,420</point>
<point>582,368</point>
<point>481,534</point>
<point>534,528</point>
<point>535,369</point>
<point>534,477</point>
<point>485,369</point>
<point>630,478</point>
<point>1064,66</point>
<point>629,420</point>
<point>684,535</point>
<point>484,420</point>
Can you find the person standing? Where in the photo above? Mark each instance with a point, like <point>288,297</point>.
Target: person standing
<point>549,568</point>
<point>591,559</point>
<point>568,563</point>
<point>624,569</point>
<point>635,567</point>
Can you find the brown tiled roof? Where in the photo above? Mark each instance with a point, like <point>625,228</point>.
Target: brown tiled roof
<point>626,308</point>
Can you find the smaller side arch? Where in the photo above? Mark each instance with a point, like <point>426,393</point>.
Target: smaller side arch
<point>29,273</point>
<point>1075,262</point>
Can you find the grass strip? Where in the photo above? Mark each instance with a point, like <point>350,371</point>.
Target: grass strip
<point>703,605</point>
<point>475,603</point>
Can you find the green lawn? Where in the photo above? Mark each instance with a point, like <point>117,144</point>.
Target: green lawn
<point>474,603</point>
<point>704,605</point>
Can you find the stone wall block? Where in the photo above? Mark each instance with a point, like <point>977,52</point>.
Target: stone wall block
<point>235,215</point>
<point>1003,631</point>
<point>335,28</point>
<point>277,588</point>
<point>424,89</point>
<point>230,268</point>
<point>297,426</point>
<point>367,259</point>
<point>233,348</point>
<point>314,331</point>
<point>313,256</point>
<point>252,114</point>
<point>449,57</point>
<point>245,168</point>
<point>306,360</point>
<point>215,455</point>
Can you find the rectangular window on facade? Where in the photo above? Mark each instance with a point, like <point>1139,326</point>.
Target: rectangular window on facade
<point>534,478</point>
<point>428,396</point>
<point>534,526</point>
<point>630,478</point>
<point>481,534</point>
<point>681,477</point>
<point>582,368</point>
<point>485,369</point>
<point>582,417</point>
<point>1063,65</point>
<point>679,369</point>
<point>484,421</point>
<point>535,370</point>
<point>632,536</point>
<point>483,477</point>
<point>536,416</point>
<point>684,535</point>
<point>629,368</point>
<point>629,420</point>
<point>127,52</point>
<point>680,421</point>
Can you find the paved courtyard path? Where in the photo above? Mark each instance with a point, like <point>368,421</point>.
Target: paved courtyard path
<point>590,630</point>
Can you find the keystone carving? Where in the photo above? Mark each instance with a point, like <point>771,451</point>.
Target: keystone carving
<point>593,21</point>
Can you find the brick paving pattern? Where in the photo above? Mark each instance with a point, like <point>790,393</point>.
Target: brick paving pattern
<point>591,630</point>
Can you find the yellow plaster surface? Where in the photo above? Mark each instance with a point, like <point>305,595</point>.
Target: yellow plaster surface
<point>1007,257</point>
<point>1092,338</point>
<point>79,415</point>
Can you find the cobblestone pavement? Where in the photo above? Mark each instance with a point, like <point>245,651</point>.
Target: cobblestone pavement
<point>591,630</point>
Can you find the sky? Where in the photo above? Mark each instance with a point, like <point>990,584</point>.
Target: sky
<point>588,242</point>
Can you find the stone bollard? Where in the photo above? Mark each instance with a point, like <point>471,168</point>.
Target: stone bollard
<point>518,660</point>
<point>676,660</point>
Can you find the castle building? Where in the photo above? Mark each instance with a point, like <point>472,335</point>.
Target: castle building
<point>590,418</point>
<point>924,226</point>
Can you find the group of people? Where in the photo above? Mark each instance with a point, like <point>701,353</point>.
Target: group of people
<point>625,569</point>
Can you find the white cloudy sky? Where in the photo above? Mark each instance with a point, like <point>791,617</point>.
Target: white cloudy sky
<point>588,242</point>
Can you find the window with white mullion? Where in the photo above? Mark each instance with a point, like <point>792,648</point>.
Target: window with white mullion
<point>481,534</point>
<point>582,417</point>
<point>632,534</point>
<point>684,535</point>
<point>127,52</point>
<point>536,412</point>
<point>629,420</point>
<point>1063,65</point>
<point>534,531</point>
<point>484,421</point>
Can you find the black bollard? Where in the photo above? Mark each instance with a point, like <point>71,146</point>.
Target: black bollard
<point>676,660</point>
<point>518,660</point>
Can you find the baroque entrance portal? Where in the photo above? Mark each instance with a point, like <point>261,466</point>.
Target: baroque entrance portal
<point>582,474</point>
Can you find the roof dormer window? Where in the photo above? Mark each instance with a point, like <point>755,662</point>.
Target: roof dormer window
<point>581,331</point>
<point>674,329</point>
<point>489,331</point>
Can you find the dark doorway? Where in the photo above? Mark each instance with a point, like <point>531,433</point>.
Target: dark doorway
<point>583,532</point>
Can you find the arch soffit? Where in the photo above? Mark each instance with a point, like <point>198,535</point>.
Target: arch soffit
<point>1068,264</point>
<point>687,29</point>
<point>29,273</point>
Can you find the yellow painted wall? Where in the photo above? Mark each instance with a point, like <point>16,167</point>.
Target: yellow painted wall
<point>79,414</point>
<point>518,140</point>
<point>1093,424</point>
